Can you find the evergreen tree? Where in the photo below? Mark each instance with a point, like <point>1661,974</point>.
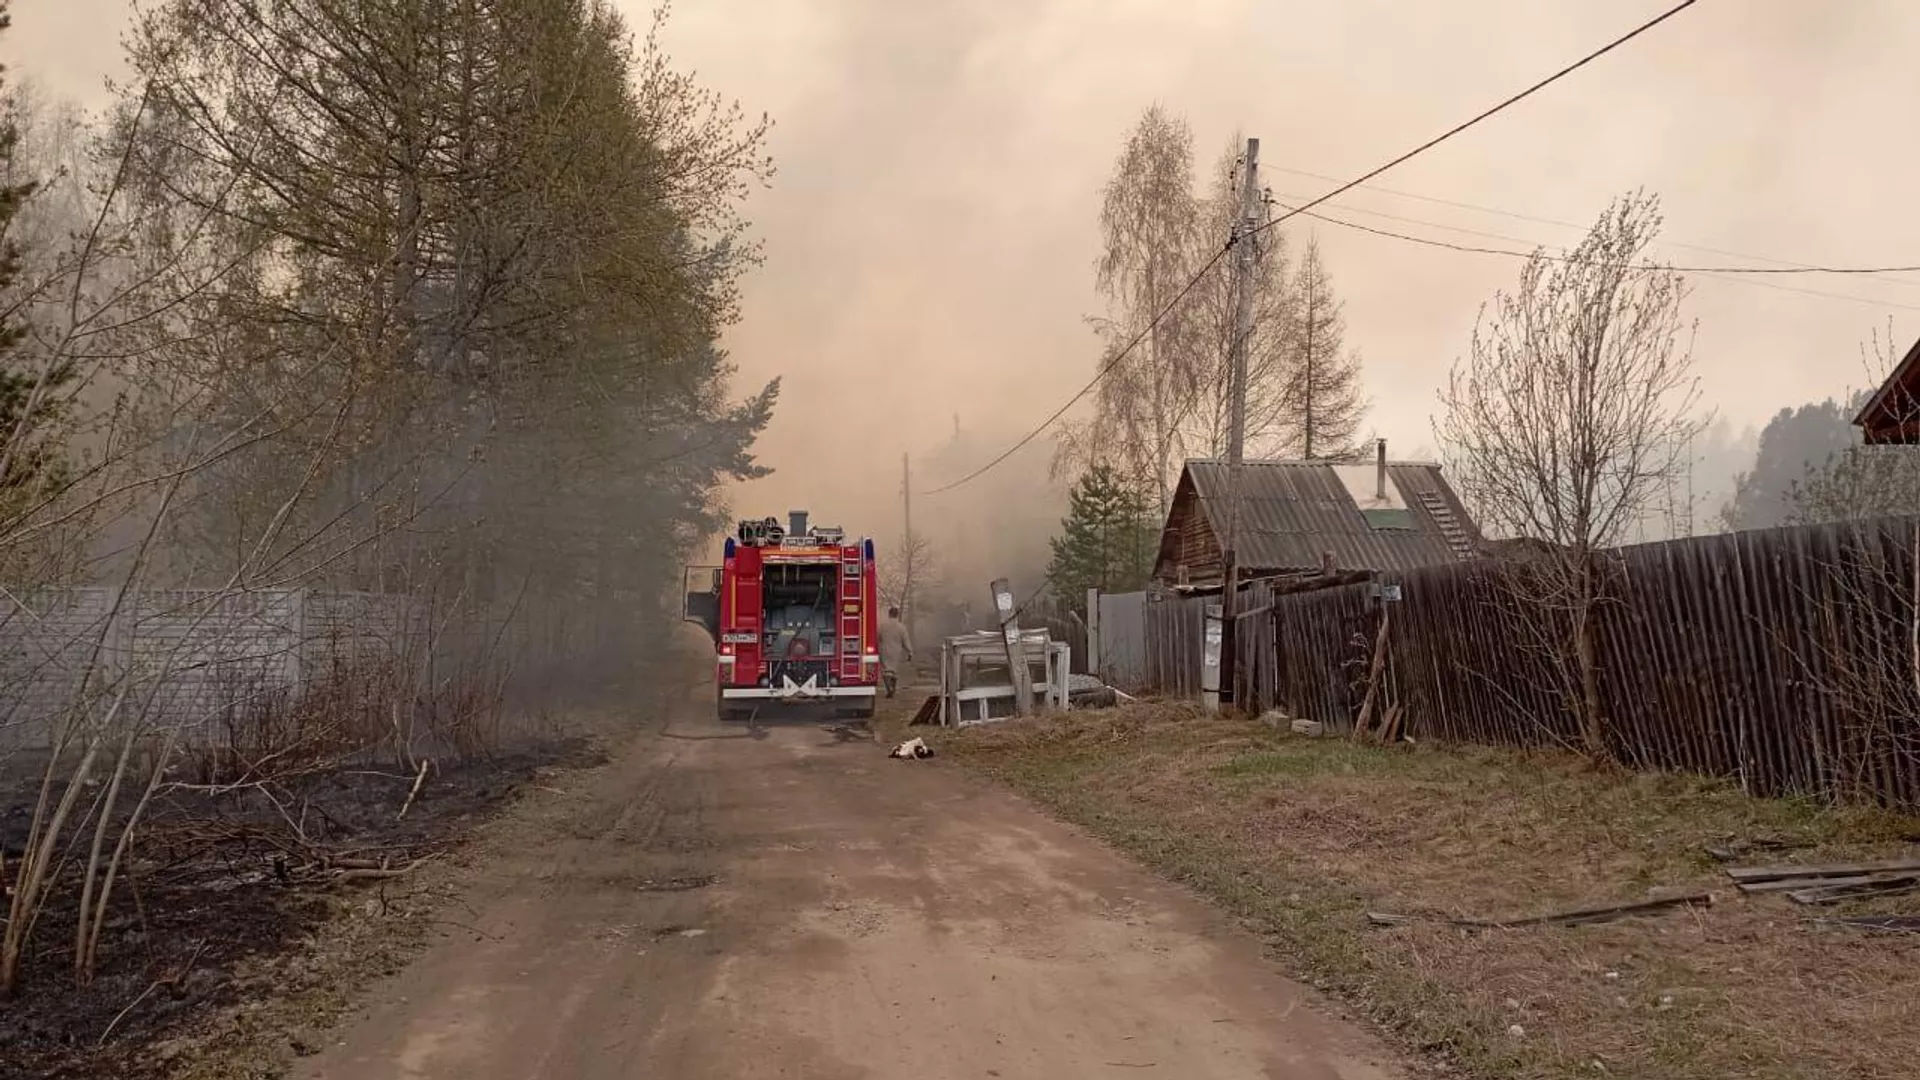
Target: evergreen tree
<point>1324,405</point>
<point>27,398</point>
<point>1795,444</point>
<point>1107,540</point>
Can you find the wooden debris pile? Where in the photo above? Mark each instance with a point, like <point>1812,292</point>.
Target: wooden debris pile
<point>1831,884</point>
<point>1735,848</point>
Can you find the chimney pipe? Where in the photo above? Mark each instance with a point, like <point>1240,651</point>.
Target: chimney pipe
<point>1380,446</point>
<point>796,523</point>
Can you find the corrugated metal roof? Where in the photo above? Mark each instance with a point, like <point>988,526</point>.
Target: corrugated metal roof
<point>1292,511</point>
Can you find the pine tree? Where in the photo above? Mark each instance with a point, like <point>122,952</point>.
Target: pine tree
<point>1324,405</point>
<point>27,399</point>
<point>1107,540</point>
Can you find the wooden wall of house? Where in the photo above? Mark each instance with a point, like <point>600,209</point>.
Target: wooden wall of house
<point>1195,548</point>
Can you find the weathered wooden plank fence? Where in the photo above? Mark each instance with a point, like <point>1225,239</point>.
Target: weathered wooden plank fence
<point>1174,627</point>
<point>1788,658</point>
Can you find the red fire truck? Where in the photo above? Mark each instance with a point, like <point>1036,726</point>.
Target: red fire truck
<point>794,617</point>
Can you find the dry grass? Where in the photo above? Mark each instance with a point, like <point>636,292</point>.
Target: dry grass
<point>1304,836</point>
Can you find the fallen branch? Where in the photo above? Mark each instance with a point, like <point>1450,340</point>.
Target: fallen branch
<point>338,868</point>
<point>1745,874</point>
<point>1885,924</point>
<point>1829,892</point>
<point>418,782</point>
<point>356,864</point>
<point>1796,884</point>
<point>1581,917</point>
<point>122,1014</point>
<point>1734,849</point>
<point>172,978</point>
<point>363,874</point>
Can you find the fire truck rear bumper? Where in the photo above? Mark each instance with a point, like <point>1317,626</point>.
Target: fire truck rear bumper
<point>769,693</point>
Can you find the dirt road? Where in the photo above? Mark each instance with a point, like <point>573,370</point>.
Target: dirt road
<point>720,905</point>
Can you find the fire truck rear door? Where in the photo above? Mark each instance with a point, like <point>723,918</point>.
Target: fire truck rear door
<point>702,602</point>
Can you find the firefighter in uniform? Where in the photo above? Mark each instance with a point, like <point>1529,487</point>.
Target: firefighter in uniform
<point>896,648</point>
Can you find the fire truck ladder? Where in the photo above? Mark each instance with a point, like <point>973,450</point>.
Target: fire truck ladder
<point>851,614</point>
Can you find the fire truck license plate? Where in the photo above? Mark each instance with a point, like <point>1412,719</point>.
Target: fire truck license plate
<point>739,639</point>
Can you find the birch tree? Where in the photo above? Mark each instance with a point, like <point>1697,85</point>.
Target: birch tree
<point>1271,419</point>
<point>909,570</point>
<point>1567,417</point>
<point>1148,215</point>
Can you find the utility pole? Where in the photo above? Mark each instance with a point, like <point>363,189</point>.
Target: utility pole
<point>1243,266</point>
<point>908,556</point>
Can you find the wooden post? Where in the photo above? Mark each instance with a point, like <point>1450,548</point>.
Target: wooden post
<point>1093,634</point>
<point>908,556</point>
<point>1016,648</point>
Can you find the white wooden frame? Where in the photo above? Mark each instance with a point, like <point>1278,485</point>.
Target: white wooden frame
<point>958,654</point>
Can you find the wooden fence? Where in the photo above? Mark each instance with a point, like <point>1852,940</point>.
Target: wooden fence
<point>1063,624</point>
<point>1788,658</point>
<point>1173,625</point>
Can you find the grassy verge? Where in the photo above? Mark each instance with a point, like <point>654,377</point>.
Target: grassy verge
<point>1302,837</point>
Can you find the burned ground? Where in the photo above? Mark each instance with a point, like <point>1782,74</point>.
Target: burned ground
<point>231,891</point>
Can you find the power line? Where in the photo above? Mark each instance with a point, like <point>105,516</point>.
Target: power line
<point>1161,315</point>
<point>1515,99</point>
<point>1470,249</point>
<point>1045,583</point>
<point>1739,275</point>
<point>1533,218</point>
<point>1105,368</point>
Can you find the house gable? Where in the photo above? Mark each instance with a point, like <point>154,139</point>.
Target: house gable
<point>1189,548</point>
<point>1891,417</point>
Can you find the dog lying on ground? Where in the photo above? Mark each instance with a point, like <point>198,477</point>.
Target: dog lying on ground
<point>911,750</point>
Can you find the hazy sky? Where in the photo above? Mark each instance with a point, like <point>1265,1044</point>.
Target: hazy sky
<point>931,233</point>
